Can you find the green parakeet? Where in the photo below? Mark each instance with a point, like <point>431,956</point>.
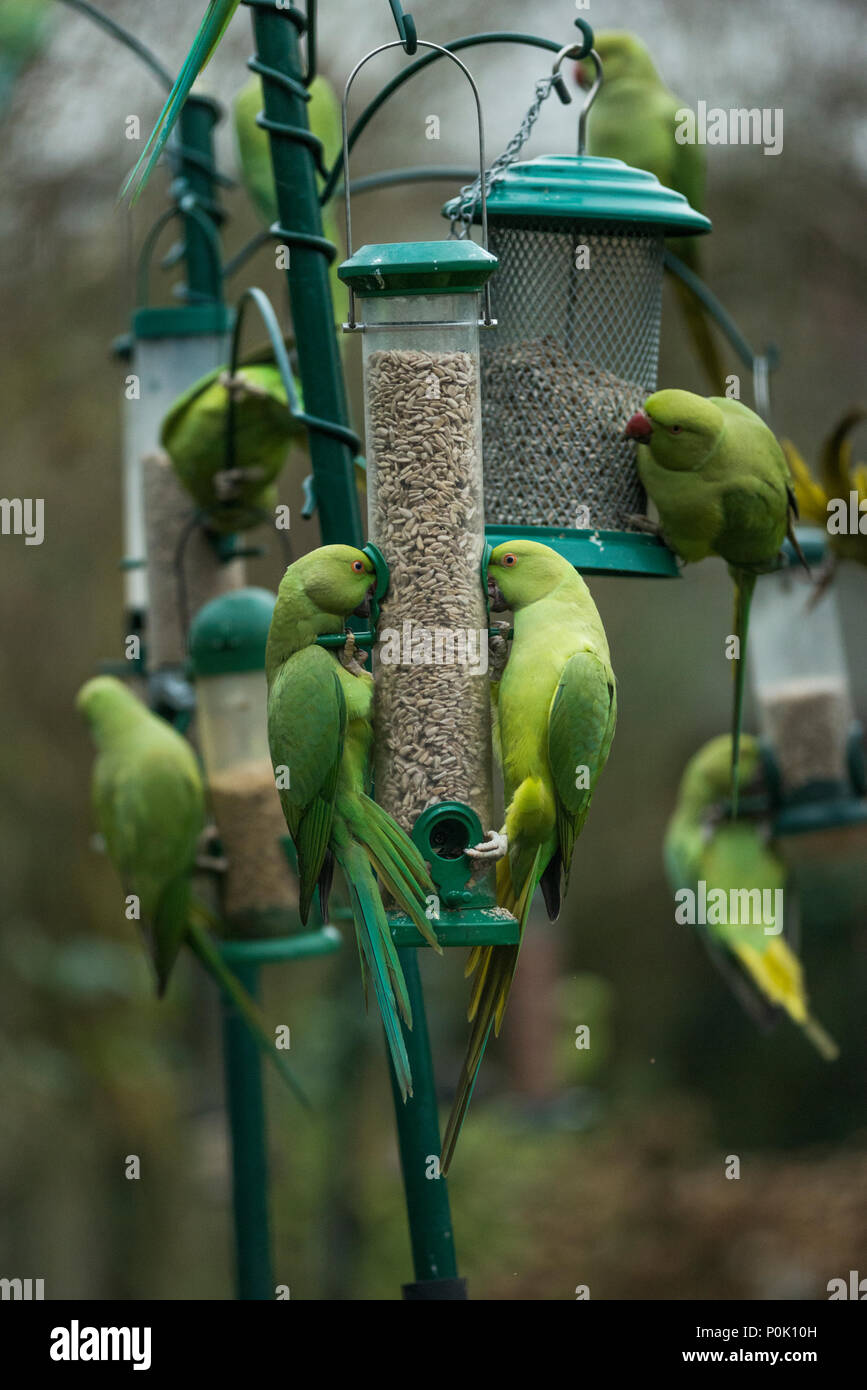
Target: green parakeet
<point>555,711</point>
<point>320,732</point>
<point>254,153</point>
<point>149,806</point>
<point>742,875</point>
<point>634,118</point>
<point>722,486</point>
<point>194,435</point>
<point>210,31</point>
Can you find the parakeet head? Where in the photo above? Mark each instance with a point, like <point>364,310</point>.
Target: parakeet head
<point>707,777</point>
<point>335,579</point>
<point>679,428</point>
<point>106,702</point>
<point>521,572</point>
<point>622,55</point>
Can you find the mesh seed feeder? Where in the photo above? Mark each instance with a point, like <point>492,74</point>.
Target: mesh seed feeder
<point>811,739</point>
<point>227,653</point>
<point>578,303</point>
<point>419,307</point>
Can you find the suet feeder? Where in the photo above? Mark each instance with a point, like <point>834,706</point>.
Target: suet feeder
<point>227,653</point>
<point>578,303</point>
<point>812,742</point>
<point>419,307</point>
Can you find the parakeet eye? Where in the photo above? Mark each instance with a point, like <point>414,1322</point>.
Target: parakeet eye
<point>675,429</point>
<point>508,561</point>
<point>358,566</point>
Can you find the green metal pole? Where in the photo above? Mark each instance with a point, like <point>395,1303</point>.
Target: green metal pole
<point>277,34</point>
<point>198,118</point>
<point>418,1136</point>
<point>246,1110</point>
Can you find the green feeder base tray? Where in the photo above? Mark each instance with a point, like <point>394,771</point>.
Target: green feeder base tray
<point>273,950</point>
<point>597,552</point>
<point>463,926</point>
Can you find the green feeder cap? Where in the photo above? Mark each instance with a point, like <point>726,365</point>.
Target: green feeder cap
<point>229,634</point>
<point>418,267</point>
<point>182,321</point>
<point>584,188</point>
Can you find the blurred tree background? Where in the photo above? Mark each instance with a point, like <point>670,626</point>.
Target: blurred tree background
<point>614,1175</point>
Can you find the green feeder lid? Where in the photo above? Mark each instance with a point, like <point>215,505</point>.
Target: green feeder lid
<point>229,634</point>
<point>587,189</point>
<point>182,321</point>
<point>418,267</point>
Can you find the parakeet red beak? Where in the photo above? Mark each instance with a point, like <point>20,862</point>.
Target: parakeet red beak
<point>639,427</point>
<point>363,609</point>
<point>582,76</point>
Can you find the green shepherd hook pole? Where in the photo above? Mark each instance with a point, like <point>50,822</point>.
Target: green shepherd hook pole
<point>295,154</point>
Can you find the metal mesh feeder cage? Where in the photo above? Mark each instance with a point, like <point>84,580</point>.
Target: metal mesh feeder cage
<point>813,745</point>
<point>578,303</point>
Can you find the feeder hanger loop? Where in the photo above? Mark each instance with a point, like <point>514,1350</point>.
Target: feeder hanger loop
<point>461,208</point>
<point>487,320</point>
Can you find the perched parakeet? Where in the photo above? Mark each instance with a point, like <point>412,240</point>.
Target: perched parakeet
<point>254,154</point>
<point>235,493</point>
<point>555,709</point>
<point>150,808</point>
<point>722,486</point>
<point>839,477</point>
<point>743,875</point>
<point>634,118</point>
<point>210,31</point>
<point>320,732</point>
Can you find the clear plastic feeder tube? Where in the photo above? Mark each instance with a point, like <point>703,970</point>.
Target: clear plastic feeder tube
<point>426,514</point>
<point>801,679</point>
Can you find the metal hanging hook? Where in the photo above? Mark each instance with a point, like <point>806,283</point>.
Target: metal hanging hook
<point>405,27</point>
<point>487,317</point>
<point>591,95</point>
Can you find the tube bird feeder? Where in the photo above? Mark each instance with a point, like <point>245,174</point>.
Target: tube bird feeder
<point>419,307</point>
<point>797,658</point>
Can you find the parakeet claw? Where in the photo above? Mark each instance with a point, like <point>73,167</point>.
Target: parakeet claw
<point>353,657</point>
<point>644,523</point>
<point>494,846</point>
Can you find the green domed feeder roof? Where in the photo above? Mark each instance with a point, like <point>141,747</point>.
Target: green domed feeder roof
<point>229,634</point>
<point>584,188</point>
<point>418,267</point>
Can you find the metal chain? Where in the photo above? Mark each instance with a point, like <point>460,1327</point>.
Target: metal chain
<point>460,209</point>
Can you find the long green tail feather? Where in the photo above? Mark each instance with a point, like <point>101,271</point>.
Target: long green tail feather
<point>496,966</point>
<point>380,962</point>
<point>398,863</point>
<point>745,583</point>
<point>201,943</point>
<point>209,33</point>
<point>169,928</point>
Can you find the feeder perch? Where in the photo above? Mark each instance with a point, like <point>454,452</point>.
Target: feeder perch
<point>578,303</point>
<point>811,740</point>
<point>419,307</point>
<point>227,651</point>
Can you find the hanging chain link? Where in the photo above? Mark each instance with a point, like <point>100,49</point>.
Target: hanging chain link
<point>460,209</point>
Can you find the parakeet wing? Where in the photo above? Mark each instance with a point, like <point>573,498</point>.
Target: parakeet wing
<point>149,807</point>
<point>306,731</point>
<point>580,730</point>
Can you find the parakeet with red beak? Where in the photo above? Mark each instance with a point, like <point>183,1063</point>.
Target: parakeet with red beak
<point>721,485</point>
<point>555,711</point>
<point>634,118</point>
<point>320,735</point>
